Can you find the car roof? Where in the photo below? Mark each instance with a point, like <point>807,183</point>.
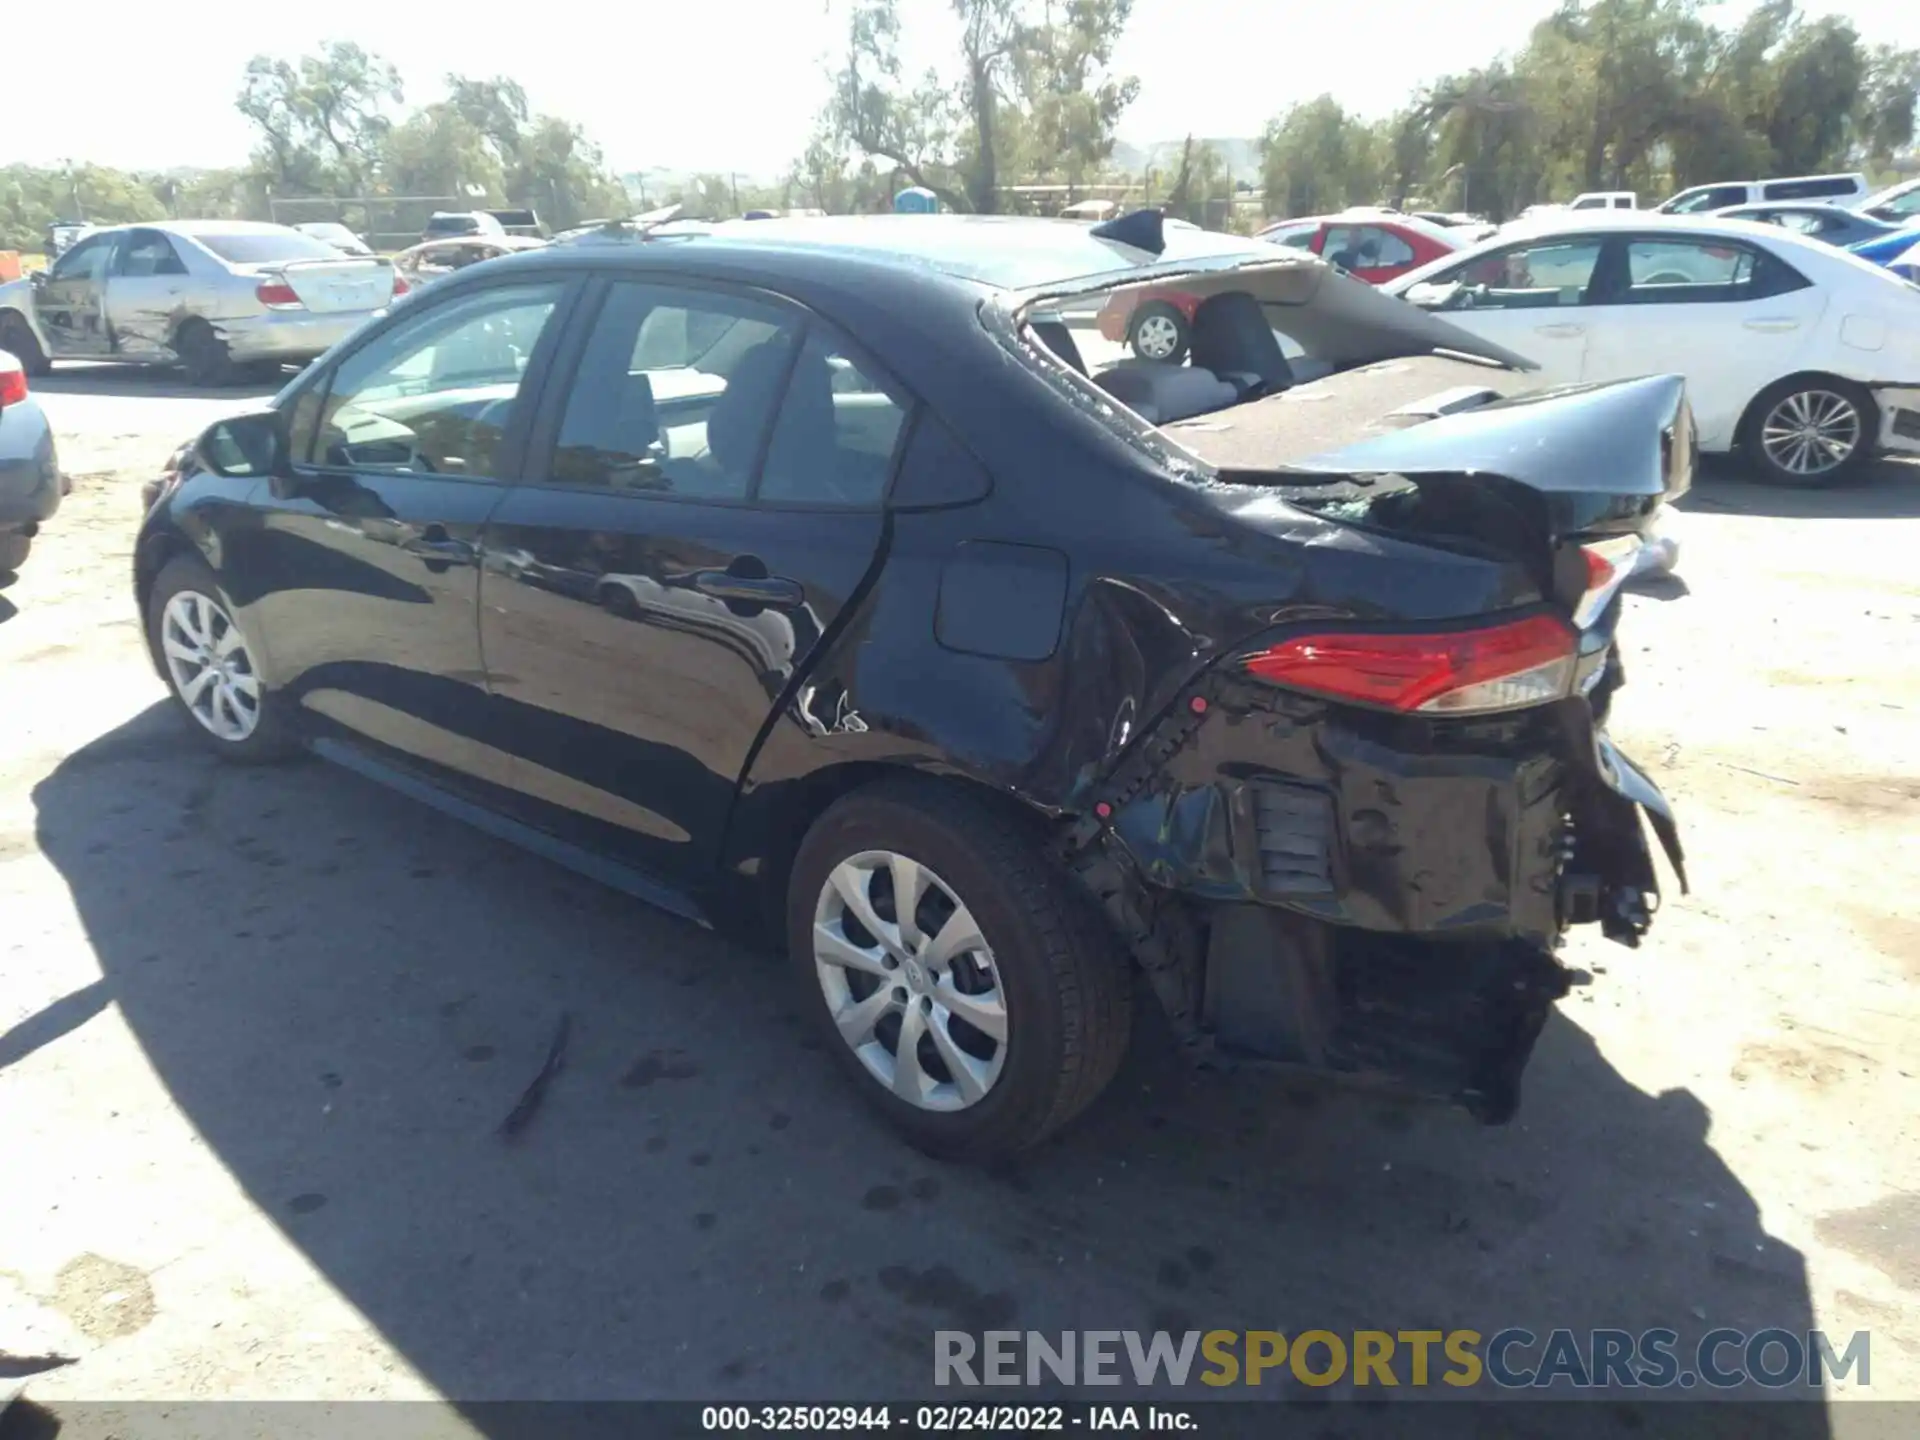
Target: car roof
<point>1002,252</point>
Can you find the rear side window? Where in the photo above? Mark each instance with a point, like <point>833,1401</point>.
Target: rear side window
<point>1808,189</point>
<point>838,428</point>
<point>1687,272</point>
<point>675,393</point>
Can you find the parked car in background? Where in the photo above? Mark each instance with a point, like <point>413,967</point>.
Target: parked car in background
<point>828,652</point>
<point>330,232</point>
<point>1831,223</point>
<point>426,263</point>
<point>1889,248</point>
<point>31,485</point>
<point>1897,204</point>
<point>1704,199</point>
<point>523,223</point>
<point>1795,354</point>
<point>61,234</point>
<point>1372,245</point>
<point>1605,200</point>
<point>1907,264</point>
<point>450,224</point>
<point>212,296</point>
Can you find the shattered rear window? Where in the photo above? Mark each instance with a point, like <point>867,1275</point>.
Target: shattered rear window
<point>263,247</point>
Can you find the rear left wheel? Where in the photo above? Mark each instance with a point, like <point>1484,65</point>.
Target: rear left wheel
<point>974,995</point>
<point>1158,332</point>
<point>203,354</point>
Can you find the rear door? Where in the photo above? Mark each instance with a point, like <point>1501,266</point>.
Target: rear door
<point>1730,317</point>
<point>1529,297</point>
<point>703,501</point>
<point>145,294</point>
<point>71,301</point>
<point>363,574</point>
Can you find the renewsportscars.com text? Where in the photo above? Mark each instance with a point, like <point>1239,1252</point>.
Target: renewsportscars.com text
<point>1513,1358</point>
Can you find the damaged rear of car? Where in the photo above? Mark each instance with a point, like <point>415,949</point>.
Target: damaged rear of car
<point>1354,839</point>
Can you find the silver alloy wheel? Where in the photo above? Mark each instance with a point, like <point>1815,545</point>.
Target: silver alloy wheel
<point>1811,432</point>
<point>1156,337</point>
<point>910,981</point>
<point>207,661</point>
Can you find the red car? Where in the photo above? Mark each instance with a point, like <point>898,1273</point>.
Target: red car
<point>1373,245</point>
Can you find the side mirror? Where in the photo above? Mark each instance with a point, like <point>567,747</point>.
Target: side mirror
<point>247,445</point>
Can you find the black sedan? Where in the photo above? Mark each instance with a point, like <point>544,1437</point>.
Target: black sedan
<point>803,578</point>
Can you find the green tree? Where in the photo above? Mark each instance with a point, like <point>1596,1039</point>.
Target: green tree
<point>1316,157</point>
<point>322,119</point>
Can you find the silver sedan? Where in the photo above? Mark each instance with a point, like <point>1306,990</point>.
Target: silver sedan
<point>216,297</point>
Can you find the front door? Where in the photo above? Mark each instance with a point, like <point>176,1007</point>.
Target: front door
<point>709,501</point>
<point>362,576</point>
<point>1727,316</point>
<point>71,301</point>
<point>1531,298</point>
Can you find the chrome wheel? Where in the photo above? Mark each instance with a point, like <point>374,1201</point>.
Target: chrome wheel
<point>207,661</point>
<point>910,981</point>
<point>1156,337</point>
<point>1811,432</point>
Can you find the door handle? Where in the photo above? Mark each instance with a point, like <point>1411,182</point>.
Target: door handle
<point>748,589</point>
<point>1561,332</point>
<point>438,550</point>
<point>1772,324</point>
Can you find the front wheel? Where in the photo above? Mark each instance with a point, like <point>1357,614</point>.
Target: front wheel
<point>972,992</point>
<point>210,666</point>
<point>1812,431</point>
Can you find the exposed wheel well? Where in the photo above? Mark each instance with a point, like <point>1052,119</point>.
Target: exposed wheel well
<point>1870,413</point>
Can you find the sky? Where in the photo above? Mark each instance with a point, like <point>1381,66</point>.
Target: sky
<point>724,85</point>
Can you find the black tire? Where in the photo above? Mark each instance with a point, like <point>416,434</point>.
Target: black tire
<point>1818,393</point>
<point>17,336</point>
<point>13,553</point>
<point>203,354</point>
<point>272,736</point>
<point>1066,987</point>
<point>1159,310</point>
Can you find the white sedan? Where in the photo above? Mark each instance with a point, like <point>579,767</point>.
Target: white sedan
<point>1803,357</point>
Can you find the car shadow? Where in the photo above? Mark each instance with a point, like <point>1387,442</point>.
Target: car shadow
<point>346,993</point>
<point>152,382</point>
<point>1889,489</point>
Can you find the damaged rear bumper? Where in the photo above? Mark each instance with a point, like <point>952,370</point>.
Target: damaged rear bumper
<point>1371,894</point>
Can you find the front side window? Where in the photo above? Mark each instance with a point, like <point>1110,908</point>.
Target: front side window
<point>1528,277</point>
<point>433,394</point>
<point>675,393</point>
<point>85,261</point>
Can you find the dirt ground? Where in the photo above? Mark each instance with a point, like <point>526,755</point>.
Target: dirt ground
<point>256,1030</point>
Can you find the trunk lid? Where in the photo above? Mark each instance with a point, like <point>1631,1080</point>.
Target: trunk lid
<point>1428,447</point>
<point>333,286</point>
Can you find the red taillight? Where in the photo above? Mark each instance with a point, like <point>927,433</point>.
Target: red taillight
<point>13,385</point>
<point>1467,672</point>
<point>400,286</point>
<point>278,295</point>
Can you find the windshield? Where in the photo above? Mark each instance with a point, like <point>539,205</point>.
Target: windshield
<point>263,247</point>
